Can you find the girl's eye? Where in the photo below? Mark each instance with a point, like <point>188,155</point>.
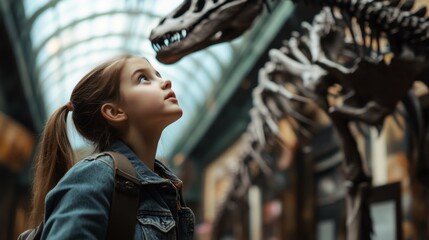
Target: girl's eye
<point>143,78</point>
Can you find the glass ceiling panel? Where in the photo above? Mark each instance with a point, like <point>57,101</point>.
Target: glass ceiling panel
<point>70,37</point>
<point>31,6</point>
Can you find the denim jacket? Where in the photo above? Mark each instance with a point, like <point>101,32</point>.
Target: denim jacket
<point>78,206</point>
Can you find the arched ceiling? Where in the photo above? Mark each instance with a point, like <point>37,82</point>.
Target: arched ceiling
<point>70,37</point>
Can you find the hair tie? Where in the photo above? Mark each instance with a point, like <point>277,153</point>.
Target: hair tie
<point>70,106</point>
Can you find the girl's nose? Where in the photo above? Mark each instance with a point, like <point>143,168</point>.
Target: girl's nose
<point>166,84</point>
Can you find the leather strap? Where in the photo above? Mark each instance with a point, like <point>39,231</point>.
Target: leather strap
<point>123,211</point>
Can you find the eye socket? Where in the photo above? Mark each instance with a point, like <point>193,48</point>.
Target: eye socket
<point>143,78</point>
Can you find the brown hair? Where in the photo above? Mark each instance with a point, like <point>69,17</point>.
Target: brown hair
<point>55,155</point>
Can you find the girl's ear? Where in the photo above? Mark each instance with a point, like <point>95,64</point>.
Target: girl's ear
<point>113,114</point>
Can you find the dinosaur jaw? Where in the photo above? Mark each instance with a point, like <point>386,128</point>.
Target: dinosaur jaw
<point>171,47</point>
<point>178,36</point>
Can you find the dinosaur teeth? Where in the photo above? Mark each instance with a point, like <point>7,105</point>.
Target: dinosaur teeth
<point>156,46</point>
<point>169,39</point>
<point>218,35</point>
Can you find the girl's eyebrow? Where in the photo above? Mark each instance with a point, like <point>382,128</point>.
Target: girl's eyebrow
<point>137,71</point>
<point>143,69</point>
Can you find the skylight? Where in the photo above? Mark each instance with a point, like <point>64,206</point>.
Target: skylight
<point>71,37</point>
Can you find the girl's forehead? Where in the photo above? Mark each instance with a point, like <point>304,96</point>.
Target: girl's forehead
<point>138,62</point>
<point>134,65</point>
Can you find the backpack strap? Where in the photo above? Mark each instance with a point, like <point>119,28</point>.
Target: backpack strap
<point>123,211</point>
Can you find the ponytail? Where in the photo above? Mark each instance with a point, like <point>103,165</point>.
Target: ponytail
<point>54,158</point>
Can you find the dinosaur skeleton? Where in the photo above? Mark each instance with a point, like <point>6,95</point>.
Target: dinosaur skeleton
<point>272,101</point>
<point>314,62</point>
<point>197,24</point>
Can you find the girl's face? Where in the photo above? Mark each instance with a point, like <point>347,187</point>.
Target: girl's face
<point>146,97</point>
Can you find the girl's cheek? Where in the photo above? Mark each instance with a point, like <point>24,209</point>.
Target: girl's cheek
<point>152,104</point>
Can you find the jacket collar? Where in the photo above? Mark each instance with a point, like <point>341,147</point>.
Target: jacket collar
<point>143,172</point>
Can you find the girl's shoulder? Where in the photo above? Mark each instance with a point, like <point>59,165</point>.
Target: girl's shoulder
<point>91,174</point>
<point>83,194</point>
<point>93,167</point>
<point>96,159</point>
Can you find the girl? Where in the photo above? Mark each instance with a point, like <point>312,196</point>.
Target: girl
<point>122,105</point>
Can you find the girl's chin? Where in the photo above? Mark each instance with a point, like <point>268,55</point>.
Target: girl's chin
<point>179,115</point>
<point>175,116</point>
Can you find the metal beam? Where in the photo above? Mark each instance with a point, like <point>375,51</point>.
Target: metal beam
<point>28,24</point>
<point>36,111</point>
<point>77,21</point>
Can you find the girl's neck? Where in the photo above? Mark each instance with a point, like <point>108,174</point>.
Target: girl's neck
<point>144,146</point>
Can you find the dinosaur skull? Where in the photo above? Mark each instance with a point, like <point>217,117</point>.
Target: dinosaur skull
<point>197,24</point>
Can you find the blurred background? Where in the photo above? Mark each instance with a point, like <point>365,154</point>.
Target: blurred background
<point>46,46</point>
